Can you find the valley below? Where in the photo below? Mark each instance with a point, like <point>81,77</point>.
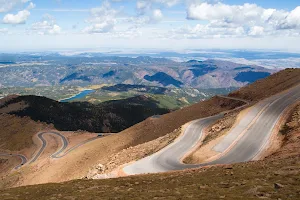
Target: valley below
<point>215,143</point>
<point>149,99</point>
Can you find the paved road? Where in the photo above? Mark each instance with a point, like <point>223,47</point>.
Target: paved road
<point>44,144</point>
<point>245,122</point>
<point>56,155</point>
<point>254,131</point>
<point>23,159</point>
<point>257,135</point>
<point>59,153</point>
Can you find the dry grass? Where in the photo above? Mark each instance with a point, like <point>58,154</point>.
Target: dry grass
<point>16,132</point>
<point>212,136</point>
<point>241,181</point>
<point>221,127</point>
<point>259,90</point>
<point>292,122</point>
<point>134,153</point>
<point>151,129</point>
<point>277,177</point>
<point>78,163</point>
<point>292,135</point>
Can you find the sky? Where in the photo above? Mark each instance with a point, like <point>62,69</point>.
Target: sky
<point>27,25</point>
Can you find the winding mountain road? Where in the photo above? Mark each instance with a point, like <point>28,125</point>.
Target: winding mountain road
<point>23,159</point>
<point>58,154</point>
<point>44,144</point>
<point>243,143</point>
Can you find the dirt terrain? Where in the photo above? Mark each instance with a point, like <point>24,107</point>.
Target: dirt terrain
<point>291,132</point>
<point>213,135</point>
<point>78,163</point>
<point>132,154</point>
<point>6,164</point>
<point>151,129</point>
<point>276,177</point>
<point>253,93</point>
<point>16,132</point>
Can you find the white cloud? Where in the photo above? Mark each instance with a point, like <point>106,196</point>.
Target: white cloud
<point>19,18</point>
<point>216,21</point>
<point>205,11</point>
<point>55,30</point>
<point>3,30</point>
<point>142,20</point>
<point>168,3</point>
<point>247,13</point>
<point>8,5</point>
<point>31,6</point>
<point>205,31</point>
<point>102,19</point>
<point>104,27</point>
<point>255,20</point>
<point>148,14</point>
<point>256,31</point>
<point>145,6</point>
<point>157,15</point>
<point>47,26</point>
<point>292,20</point>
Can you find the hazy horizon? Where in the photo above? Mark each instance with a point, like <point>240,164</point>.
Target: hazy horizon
<point>39,25</point>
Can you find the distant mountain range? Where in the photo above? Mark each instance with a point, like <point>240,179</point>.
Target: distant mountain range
<point>49,70</point>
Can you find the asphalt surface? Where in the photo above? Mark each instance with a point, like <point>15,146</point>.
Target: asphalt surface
<point>243,124</point>
<point>253,133</point>
<point>59,153</point>
<point>23,159</point>
<point>168,159</point>
<point>44,144</point>
<point>56,155</point>
<point>257,136</point>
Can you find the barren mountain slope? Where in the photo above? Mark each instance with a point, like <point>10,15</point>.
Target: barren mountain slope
<point>277,177</point>
<point>269,86</point>
<point>76,164</point>
<point>16,132</point>
<point>21,117</point>
<point>153,128</point>
<point>257,91</point>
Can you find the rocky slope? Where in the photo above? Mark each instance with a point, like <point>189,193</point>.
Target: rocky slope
<point>276,177</point>
<point>77,164</point>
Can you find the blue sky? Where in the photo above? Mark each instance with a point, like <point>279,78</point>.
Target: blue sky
<point>153,24</point>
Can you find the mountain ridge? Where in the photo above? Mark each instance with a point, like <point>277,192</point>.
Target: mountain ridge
<point>111,116</point>
<point>80,71</point>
